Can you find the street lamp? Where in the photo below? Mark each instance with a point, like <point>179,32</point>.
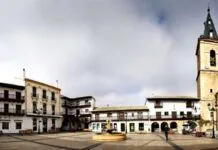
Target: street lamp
<point>212,109</point>
<point>126,121</point>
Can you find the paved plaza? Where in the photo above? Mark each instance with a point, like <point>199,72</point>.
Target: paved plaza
<point>83,141</point>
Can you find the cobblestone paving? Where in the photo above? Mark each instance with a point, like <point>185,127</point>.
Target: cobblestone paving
<point>83,141</point>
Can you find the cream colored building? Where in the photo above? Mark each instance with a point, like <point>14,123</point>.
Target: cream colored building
<point>42,105</point>
<point>207,70</point>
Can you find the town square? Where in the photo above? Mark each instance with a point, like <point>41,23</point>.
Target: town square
<point>93,75</point>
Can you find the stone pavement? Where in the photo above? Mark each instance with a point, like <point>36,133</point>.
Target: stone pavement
<point>83,141</point>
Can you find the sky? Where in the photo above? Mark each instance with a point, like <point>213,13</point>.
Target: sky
<point>118,51</point>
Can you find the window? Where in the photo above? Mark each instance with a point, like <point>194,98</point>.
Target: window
<point>6,110</point>
<point>211,34</point>
<point>18,109</point>
<point>18,95</point>
<point>44,108</point>
<point>34,91</point>
<point>34,107</point>
<point>109,114</point>
<point>53,124</point>
<point>158,104</point>
<point>86,101</point>
<point>96,116</point>
<point>53,96</point>
<point>5,125</point>
<point>77,112</point>
<point>53,109</point>
<point>188,104</point>
<point>181,113</point>
<point>44,94</point>
<point>86,110</point>
<point>166,113</point>
<point>93,126</point>
<point>141,126</point>
<point>211,90</point>
<point>18,125</point>
<point>212,58</point>
<point>132,114</point>
<point>189,114</point>
<point>77,103</point>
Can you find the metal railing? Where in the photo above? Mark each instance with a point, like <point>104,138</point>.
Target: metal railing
<point>147,117</point>
<point>11,96</point>
<point>11,111</point>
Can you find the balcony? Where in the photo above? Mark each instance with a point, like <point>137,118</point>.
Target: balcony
<point>12,112</point>
<point>11,98</point>
<point>35,96</point>
<point>45,98</point>
<point>53,100</point>
<point>76,105</point>
<point>145,117</point>
<point>158,106</point>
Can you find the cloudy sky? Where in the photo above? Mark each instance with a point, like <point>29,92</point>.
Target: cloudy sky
<point>119,51</point>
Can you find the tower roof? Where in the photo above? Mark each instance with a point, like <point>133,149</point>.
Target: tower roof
<point>209,28</point>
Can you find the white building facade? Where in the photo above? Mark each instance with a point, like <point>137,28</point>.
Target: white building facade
<point>12,113</point>
<point>130,119</point>
<point>172,111</point>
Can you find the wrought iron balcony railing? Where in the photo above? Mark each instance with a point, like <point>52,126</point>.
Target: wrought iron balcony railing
<point>10,111</point>
<point>11,98</point>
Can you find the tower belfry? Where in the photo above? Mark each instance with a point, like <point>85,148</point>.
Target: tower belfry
<point>209,28</point>
<point>207,68</point>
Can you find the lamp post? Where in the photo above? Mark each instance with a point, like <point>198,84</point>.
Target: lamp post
<point>126,121</point>
<point>212,109</point>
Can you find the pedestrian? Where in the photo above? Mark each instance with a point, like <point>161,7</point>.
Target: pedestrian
<point>166,130</point>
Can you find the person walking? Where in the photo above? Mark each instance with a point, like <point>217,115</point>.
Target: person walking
<point>166,130</point>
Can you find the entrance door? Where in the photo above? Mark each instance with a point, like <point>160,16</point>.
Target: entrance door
<point>123,128</point>
<point>132,127</point>
<point>44,125</point>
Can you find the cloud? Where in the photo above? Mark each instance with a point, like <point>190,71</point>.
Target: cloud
<point>117,51</point>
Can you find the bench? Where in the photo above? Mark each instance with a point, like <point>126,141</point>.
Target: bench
<point>28,131</point>
<point>200,134</point>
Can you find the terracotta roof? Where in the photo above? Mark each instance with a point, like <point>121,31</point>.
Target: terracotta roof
<point>41,83</point>
<point>173,98</point>
<point>120,108</point>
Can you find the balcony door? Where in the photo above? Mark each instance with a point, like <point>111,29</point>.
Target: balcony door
<point>6,93</point>
<point>18,109</point>
<point>174,115</point>
<point>18,95</point>
<point>6,108</point>
<point>121,115</point>
<point>158,115</point>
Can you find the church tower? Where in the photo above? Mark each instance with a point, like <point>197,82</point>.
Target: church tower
<point>207,67</point>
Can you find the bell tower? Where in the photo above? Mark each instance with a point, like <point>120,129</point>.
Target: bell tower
<point>207,67</point>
